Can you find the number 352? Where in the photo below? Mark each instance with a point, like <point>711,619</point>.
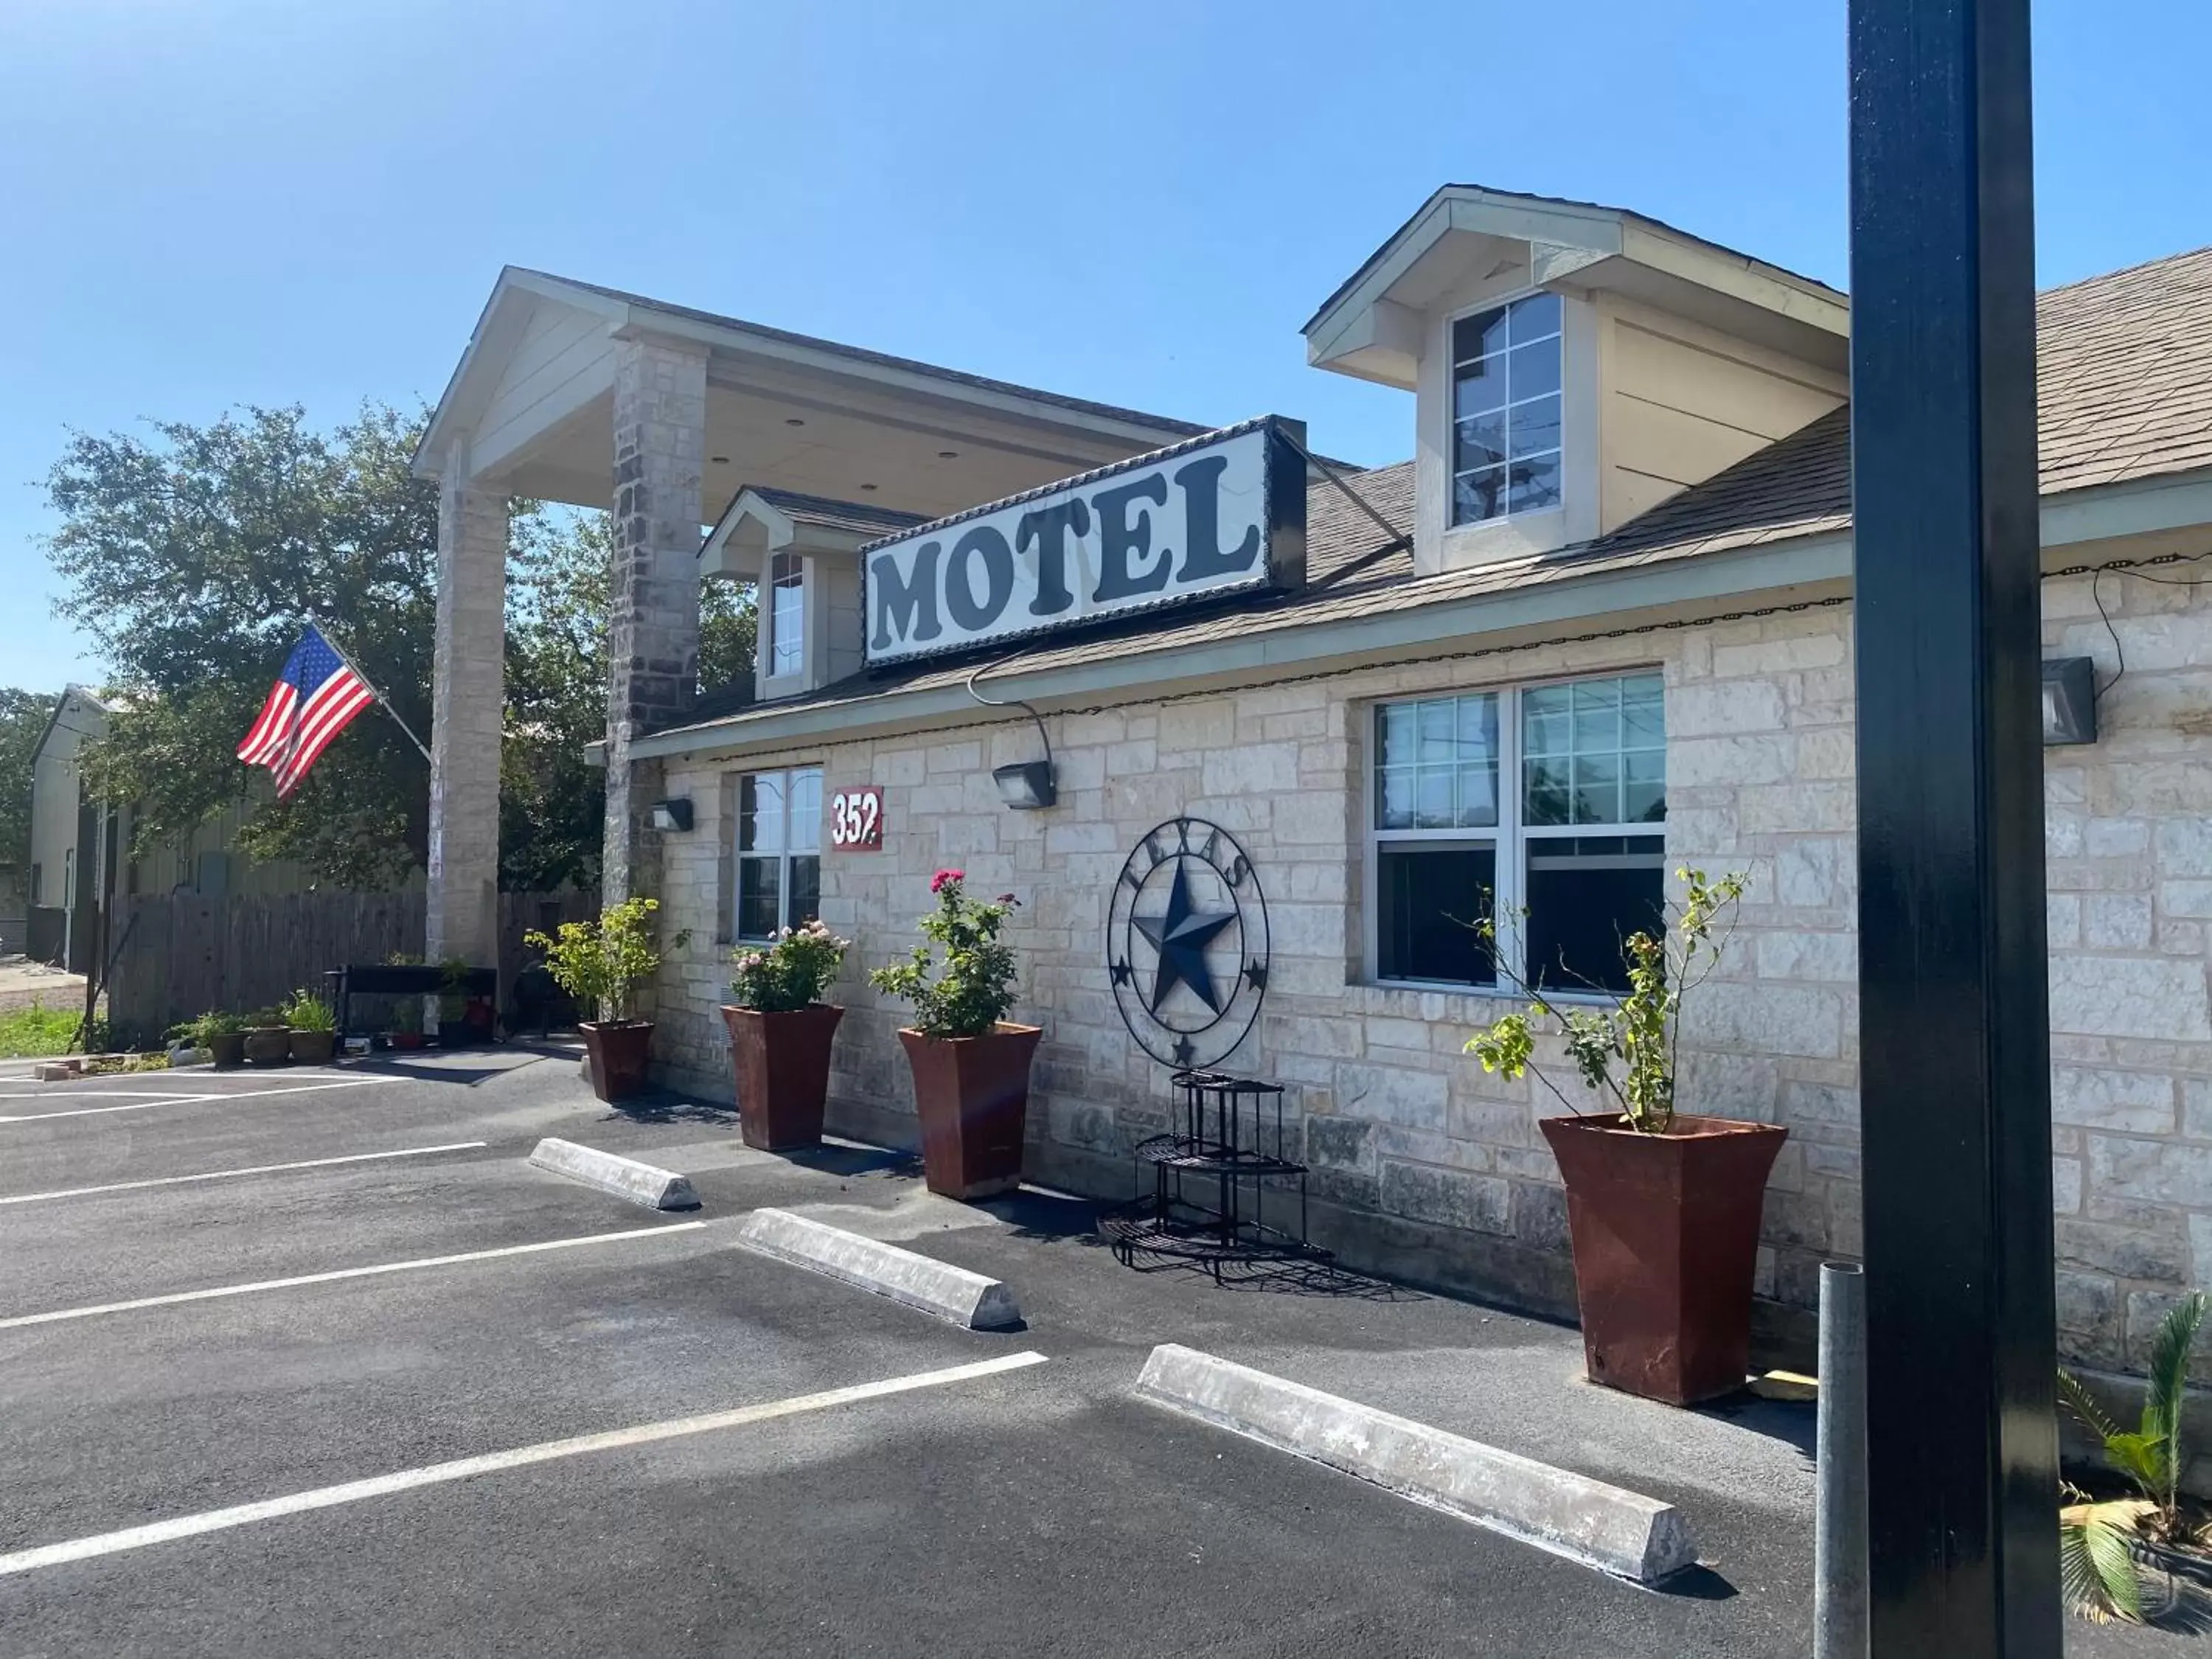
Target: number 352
<point>856,819</point>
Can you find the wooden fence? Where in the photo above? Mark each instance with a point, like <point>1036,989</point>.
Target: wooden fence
<point>185,954</point>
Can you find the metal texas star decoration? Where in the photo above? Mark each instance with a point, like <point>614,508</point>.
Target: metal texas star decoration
<point>1181,935</point>
<point>1223,1002</point>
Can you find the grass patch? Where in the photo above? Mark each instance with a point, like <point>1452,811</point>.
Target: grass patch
<point>34,1032</point>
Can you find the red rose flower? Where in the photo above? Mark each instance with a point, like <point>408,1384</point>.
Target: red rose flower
<point>944,876</point>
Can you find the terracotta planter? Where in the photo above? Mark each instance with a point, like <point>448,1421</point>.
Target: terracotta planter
<point>268,1045</point>
<point>227,1050</point>
<point>314,1047</point>
<point>618,1054</point>
<point>407,1039</point>
<point>782,1066</point>
<point>972,1095</point>
<point>1665,1231</point>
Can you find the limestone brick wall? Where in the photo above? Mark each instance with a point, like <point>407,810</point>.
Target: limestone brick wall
<point>1424,1165</point>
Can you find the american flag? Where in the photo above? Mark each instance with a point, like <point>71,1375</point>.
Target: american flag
<point>313,700</point>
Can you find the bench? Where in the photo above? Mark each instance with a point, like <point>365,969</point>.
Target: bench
<point>399,980</point>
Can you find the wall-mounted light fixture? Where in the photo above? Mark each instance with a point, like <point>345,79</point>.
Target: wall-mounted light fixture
<point>673,814</point>
<point>1026,785</point>
<point>2069,701</point>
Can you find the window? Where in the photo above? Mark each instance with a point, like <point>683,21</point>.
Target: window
<point>787,614</point>
<point>1506,411</point>
<point>779,851</point>
<point>1574,835</point>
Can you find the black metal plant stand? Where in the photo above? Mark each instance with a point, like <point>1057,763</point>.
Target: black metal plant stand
<point>1211,1176</point>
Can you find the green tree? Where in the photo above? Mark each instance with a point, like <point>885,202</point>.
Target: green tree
<point>190,558</point>
<point>23,717</point>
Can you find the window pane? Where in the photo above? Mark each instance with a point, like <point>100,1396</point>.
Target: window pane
<point>1545,720</point>
<point>1535,484</point>
<point>1478,796</point>
<point>1439,731</point>
<point>787,614</point>
<point>1546,798</point>
<point>1430,897</point>
<point>1536,369</point>
<point>760,812</point>
<point>805,890</point>
<point>1537,315</point>
<point>1394,733</point>
<point>1474,337</point>
<point>1585,897</point>
<point>1598,788</point>
<point>1433,798</point>
<point>1478,496</point>
<point>1480,442</point>
<point>807,809</point>
<point>1394,805</point>
<point>1642,713</point>
<point>759,912</point>
<point>1478,755</point>
<point>1643,786</point>
<point>1478,386</point>
<point>1535,426</point>
<point>1597,715</point>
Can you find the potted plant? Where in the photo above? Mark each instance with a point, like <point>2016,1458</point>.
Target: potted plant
<point>453,1029</point>
<point>780,1034</point>
<point>2113,1553</point>
<point>222,1035</point>
<point>407,1022</point>
<point>314,1028</point>
<point>1663,1208</point>
<point>601,964</point>
<point>971,1067</point>
<point>268,1039</point>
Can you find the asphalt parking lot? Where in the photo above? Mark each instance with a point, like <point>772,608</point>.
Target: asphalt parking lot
<point>234,1394</point>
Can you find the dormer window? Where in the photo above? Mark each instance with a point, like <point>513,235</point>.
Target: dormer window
<point>787,615</point>
<point>1506,411</point>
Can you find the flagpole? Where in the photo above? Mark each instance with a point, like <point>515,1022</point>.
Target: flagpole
<point>383,702</point>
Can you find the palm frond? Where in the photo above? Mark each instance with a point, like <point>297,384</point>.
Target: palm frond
<point>2169,1379</point>
<point>2098,1575</point>
<point>2083,1404</point>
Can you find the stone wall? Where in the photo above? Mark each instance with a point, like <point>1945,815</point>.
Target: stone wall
<point>1424,1165</point>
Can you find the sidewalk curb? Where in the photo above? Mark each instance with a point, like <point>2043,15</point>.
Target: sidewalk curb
<point>939,1288</point>
<point>1617,1532</point>
<point>625,1177</point>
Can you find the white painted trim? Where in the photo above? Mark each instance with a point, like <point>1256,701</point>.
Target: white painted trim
<point>250,1169</point>
<point>215,1292</point>
<point>1803,566</point>
<point>521,1457</point>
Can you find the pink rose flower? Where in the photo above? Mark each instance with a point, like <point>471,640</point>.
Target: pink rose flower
<point>938,881</point>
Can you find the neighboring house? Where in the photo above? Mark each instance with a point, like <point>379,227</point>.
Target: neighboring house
<point>81,863</point>
<point>1598,627</point>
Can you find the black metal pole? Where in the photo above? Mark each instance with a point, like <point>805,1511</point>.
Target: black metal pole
<point>1955,1068</point>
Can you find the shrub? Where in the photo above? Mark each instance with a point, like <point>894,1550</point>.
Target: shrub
<point>36,1031</point>
<point>306,1012</point>
<point>975,990</point>
<point>602,963</point>
<point>202,1031</point>
<point>1642,1030</point>
<point>789,974</point>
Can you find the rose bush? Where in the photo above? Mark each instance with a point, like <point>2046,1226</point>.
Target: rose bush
<point>790,973</point>
<point>974,990</point>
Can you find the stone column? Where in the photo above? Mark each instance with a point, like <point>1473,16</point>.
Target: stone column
<point>652,623</point>
<point>468,683</point>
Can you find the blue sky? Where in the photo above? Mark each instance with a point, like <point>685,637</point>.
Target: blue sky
<point>259,201</point>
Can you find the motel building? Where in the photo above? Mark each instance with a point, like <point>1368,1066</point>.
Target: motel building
<point>1252,735</point>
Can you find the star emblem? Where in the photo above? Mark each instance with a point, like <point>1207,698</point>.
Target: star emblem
<point>1181,935</point>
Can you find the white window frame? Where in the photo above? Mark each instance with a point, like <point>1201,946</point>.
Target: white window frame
<point>1453,525</point>
<point>773,643</point>
<point>1510,836</point>
<point>782,855</point>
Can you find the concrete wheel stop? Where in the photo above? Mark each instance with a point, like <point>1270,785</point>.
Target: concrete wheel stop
<point>625,1177</point>
<point>1616,1531</point>
<point>938,1288</point>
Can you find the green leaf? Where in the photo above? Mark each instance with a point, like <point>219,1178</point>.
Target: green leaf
<point>2098,1575</point>
<point>2168,1383</point>
<point>2079,1401</point>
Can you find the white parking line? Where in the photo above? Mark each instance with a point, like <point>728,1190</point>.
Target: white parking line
<point>179,1099</point>
<point>60,1314</point>
<point>352,1491</point>
<point>253,1169</point>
